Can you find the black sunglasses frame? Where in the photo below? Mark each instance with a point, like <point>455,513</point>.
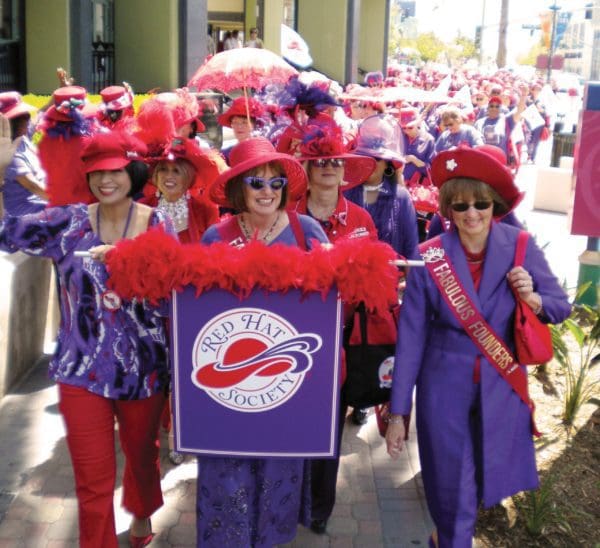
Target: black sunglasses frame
<point>479,205</point>
<point>258,183</point>
<point>333,162</point>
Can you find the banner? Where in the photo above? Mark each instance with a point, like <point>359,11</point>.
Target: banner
<point>257,377</point>
<point>586,168</point>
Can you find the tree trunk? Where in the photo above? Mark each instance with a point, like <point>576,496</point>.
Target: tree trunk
<point>501,56</point>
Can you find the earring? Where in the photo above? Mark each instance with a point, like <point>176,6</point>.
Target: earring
<point>157,193</point>
<point>389,170</point>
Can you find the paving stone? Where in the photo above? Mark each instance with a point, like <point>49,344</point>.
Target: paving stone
<point>369,528</point>
<point>11,529</point>
<point>184,535</point>
<point>342,526</point>
<point>365,510</point>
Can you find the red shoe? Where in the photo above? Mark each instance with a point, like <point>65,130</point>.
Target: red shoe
<point>140,542</point>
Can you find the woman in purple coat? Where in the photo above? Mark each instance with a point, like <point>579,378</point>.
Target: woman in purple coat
<point>474,431</point>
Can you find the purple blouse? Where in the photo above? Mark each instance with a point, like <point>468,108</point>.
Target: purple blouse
<point>116,349</point>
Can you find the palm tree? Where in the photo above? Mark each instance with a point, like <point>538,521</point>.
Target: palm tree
<point>501,56</point>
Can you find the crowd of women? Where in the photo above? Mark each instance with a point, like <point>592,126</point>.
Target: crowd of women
<point>307,168</point>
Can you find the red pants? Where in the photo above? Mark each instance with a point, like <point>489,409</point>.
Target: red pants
<point>89,421</point>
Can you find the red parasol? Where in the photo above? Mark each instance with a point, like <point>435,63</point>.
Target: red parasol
<point>242,68</point>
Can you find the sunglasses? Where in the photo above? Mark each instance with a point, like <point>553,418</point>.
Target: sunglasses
<point>480,205</point>
<point>493,106</point>
<point>324,162</point>
<point>258,183</point>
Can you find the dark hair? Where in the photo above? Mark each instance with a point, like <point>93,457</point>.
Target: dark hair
<point>234,188</point>
<point>138,173</point>
<point>18,125</point>
<point>466,188</point>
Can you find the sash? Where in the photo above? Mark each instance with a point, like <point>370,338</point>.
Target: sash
<point>230,231</point>
<point>481,333</point>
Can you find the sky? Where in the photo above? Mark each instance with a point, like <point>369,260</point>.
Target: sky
<point>447,17</point>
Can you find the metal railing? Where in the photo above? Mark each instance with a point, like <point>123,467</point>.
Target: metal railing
<point>103,65</point>
<point>10,66</point>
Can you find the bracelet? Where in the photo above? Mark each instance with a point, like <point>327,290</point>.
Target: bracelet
<point>395,419</point>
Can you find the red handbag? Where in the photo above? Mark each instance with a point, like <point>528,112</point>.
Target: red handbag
<point>545,134</point>
<point>424,194</point>
<point>533,340</point>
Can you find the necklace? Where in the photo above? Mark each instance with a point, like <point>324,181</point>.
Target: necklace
<point>178,211</point>
<point>266,236</point>
<point>375,188</point>
<point>129,213</point>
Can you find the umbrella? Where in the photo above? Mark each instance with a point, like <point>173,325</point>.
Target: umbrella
<point>242,68</point>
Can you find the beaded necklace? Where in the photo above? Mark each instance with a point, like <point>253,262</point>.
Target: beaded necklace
<point>178,211</point>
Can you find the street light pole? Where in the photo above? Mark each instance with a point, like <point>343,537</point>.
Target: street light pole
<point>554,9</point>
<point>481,34</point>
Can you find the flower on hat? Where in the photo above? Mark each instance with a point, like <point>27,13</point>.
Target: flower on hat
<point>323,138</point>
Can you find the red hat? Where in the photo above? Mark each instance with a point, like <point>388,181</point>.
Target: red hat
<point>206,164</point>
<point>409,117</point>
<point>66,100</point>
<point>117,97</point>
<point>254,110</point>
<point>323,140</point>
<point>12,105</point>
<point>495,100</point>
<point>480,163</point>
<point>111,150</point>
<point>252,153</point>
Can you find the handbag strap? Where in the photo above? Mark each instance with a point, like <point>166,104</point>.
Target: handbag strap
<point>521,247</point>
<point>444,275</point>
<point>297,230</point>
<point>520,256</point>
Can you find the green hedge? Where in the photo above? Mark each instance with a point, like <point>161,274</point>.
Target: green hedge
<point>38,101</point>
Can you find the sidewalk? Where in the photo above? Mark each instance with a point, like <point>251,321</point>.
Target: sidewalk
<point>380,502</point>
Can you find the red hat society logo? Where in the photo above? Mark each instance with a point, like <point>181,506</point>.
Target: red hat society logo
<point>251,360</point>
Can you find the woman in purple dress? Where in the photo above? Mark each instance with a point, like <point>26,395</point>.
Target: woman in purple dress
<point>248,502</point>
<point>110,362</point>
<point>473,425</point>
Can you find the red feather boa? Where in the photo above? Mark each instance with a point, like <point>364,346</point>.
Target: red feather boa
<point>154,263</point>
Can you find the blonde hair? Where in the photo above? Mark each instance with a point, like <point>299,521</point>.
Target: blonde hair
<point>187,169</point>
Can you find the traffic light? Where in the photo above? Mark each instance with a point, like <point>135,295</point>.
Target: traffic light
<point>478,36</point>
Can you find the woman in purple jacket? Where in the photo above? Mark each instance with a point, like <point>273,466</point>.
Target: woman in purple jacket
<point>474,431</point>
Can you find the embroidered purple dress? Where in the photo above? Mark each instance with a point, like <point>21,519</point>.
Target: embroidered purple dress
<point>114,349</point>
<point>243,502</point>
